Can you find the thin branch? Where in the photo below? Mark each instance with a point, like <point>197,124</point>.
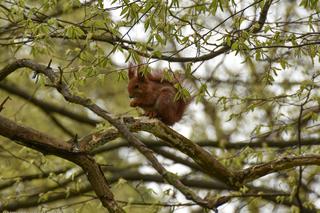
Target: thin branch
<point>299,129</point>
<point>116,174</point>
<point>10,181</point>
<point>261,143</point>
<point>284,163</point>
<point>4,102</point>
<point>60,125</point>
<point>48,107</point>
<point>254,28</point>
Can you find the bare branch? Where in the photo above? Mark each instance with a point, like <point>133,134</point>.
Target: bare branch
<point>48,107</point>
<point>261,170</point>
<point>109,136</point>
<point>48,145</point>
<point>205,160</point>
<point>4,102</point>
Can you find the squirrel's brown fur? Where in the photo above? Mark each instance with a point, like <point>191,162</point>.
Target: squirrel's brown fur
<point>155,95</point>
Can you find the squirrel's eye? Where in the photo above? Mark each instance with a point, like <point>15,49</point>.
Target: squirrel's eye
<point>136,86</point>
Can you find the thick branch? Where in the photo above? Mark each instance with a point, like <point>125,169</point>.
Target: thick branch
<point>174,139</point>
<point>46,144</point>
<point>32,138</point>
<point>203,158</point>
<point>263,17</point>
<point>98,182</point>
<point>261,170</point>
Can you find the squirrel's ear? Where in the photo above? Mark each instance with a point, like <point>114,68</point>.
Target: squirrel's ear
<point>132,70</point>
<point>141,76</point>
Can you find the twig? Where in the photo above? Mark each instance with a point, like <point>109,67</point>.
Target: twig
<point>4,102</point>
<point>299,129</point>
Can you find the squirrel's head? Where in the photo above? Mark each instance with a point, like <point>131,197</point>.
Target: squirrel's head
<point>137,81</point>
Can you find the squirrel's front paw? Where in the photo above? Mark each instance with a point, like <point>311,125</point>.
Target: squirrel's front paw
<point>133,103</point>
<point>151,114</point>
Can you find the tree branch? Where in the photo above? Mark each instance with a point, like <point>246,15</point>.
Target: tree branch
<point>265,193</point>
<point>48,145</point>
<point>121,127</point>
<point>261,170</point>
<point>174,139</point>
<point>9,182</point>
<point>48,107</point>
<point>124,44</point>
<point>281,144</point>
<point>203,158</point>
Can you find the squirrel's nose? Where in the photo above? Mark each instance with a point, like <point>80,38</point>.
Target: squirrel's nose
<point>131,96</point>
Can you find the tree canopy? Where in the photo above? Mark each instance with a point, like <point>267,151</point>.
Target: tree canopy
<point>249,140</point>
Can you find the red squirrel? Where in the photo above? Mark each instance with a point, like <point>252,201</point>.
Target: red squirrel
<point>155,95</point>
